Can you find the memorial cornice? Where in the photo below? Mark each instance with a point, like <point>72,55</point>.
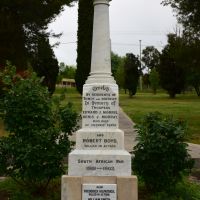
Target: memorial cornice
<point>101,2</point>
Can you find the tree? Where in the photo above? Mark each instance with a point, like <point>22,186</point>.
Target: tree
<point>116,62</point>
<point>32,152</point>
<point>151,57</point>
<point>45,64</point>
<point>188,13</point>
<point>22,25</point>
<point>145,80</point>
<point>154,80</point>
<point>120,76</point>
<point>66,72</point>
<point>131,70</point>
<point>171,69</point>
<point>192,60</point>
<point>84,49</point>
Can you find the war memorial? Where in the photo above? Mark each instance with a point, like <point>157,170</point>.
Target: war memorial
<point>100,168</point>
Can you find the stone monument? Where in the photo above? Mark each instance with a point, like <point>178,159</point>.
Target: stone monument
<point>100,168</point>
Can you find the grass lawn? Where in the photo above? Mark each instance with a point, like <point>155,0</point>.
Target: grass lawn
<point>186,107</point>
<point>71,95</point>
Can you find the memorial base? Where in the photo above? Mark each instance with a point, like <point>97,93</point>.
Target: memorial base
<point>99,163</point>
<point>127,187</point>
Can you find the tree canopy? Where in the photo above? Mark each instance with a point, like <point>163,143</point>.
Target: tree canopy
<point>23,25</point>
<point>131,71</point>
<point>84,48</point>
<point>171,69</point>
<point>150,57</point>
<point>188,13</point>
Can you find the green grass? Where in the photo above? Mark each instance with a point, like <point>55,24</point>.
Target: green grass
<point>186,107</point>
<point>70,95</point>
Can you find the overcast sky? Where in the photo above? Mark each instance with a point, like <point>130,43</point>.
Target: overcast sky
<point>130,21</point>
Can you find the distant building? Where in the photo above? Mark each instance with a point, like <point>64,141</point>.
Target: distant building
<point>68,82</point>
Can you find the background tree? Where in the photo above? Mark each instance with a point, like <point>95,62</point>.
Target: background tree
<point>22,25</point>
<point>66,72</point>
<point>84,49</point>
<point>120,76</point>
<point>116,62</point>
<point>145,80</point>
<point>192,61</point>
<point>150,57</point>
<point>188,13</point>
<point>154,80</point>
<point>171,70</point>
<point>131,70</point>
<point>45,64</point>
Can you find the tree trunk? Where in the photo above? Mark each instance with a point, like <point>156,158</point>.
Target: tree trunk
<point>172,95</point>
<point>197,89</point>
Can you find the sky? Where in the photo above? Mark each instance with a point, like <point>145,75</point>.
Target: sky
<point>130,21</point>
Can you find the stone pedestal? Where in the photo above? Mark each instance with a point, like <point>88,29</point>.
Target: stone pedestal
<point>126,187</point>
<point>100,144</point>
<point>99,167</point>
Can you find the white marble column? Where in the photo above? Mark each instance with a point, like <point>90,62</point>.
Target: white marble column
<point>101,45</point>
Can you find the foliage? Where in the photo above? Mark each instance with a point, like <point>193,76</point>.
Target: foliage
<point>171,69</point>
<point>120,76</point>
<point>84,49</point>
<point>145,80</point>
<point>23,31</point>
<point>117,65</point>
<point>192,60</point>
<point>10,190</point>
<point>116,62</point>
<point>161,154</point>
<point>150,57</point>
<point>45,64</point>
<point>131,70</point>
<point>7,78</point>
<point>188,13</point>
<point>66,72</point>
<point>33,152</point>
<point>154,80</point>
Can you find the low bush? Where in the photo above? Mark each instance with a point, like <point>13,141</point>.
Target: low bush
<point>161,156</point>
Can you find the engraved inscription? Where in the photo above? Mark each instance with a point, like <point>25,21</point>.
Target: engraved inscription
<point>100,164</point>
<point>99,192</point>
<point>100,107</point>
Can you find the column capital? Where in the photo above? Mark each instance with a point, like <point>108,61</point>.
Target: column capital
<point>101,2</point>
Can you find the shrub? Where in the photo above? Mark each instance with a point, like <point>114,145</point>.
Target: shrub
<point>32,154</point>
<point>161,155</point>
